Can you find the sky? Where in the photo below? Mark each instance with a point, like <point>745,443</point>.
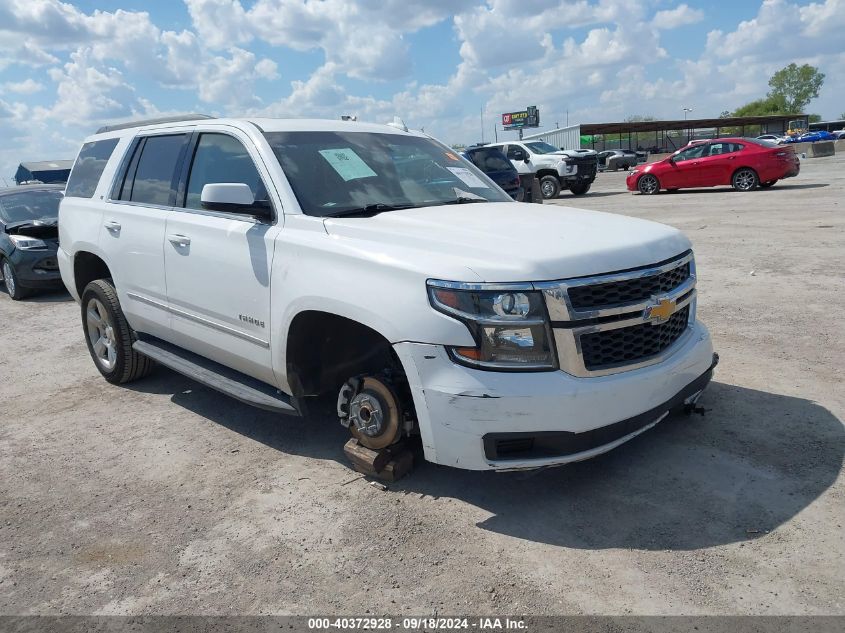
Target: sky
<point>450,67</point>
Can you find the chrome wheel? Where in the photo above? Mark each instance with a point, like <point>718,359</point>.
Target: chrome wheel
<point>745,180</point>
<point>101,334</point>
<point>648,185</point>
<point>9,278</point>
<point>548,189</point>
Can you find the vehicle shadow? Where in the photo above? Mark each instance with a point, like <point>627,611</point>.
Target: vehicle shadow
<point>726,189</point>
<point>44,296</point>
<point>753,462</point>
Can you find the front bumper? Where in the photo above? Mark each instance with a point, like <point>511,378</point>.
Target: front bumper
<point>462,412</point>
<point>36,269</point>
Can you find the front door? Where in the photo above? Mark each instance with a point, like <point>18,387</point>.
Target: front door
<point>685,171</point>
<point>218,263</point>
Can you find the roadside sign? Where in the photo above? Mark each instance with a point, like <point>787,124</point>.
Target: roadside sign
<point>530,117</point>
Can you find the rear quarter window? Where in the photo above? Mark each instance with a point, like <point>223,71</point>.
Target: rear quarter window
<point>89,167</point>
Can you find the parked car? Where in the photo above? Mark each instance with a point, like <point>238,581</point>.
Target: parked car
<point>616,159</point>
<point>499,169</point>
<point>741,162</point>
<point>556,169</point>
<point>838,134</point>
<point>29,239</point>
<point>774,138</point>
<point>282,260</point>
<point>812,137</point>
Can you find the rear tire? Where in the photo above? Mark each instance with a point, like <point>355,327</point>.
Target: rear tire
<point>580,189</point>
<point>648,185</point>
<point>109,336</point>
<point>550,187</point>
<point>745,179</point>
<point>767,184</point>
<point>10,278</point>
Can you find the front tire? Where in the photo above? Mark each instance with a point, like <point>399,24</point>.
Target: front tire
<point>550,187</point>
<point>580,189</point>
<point>648,185</point>
<point>109,336</point>
<point>745,179</point>
<point>10,278</point>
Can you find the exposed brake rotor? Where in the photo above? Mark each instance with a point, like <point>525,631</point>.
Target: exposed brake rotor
<point>370,409</point>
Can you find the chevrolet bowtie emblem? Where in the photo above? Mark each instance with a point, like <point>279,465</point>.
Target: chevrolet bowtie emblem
<point>660,311</point>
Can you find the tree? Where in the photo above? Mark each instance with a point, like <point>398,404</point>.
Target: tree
<point>796,85</point>
<point>814,118</point>
<point>762,107</point>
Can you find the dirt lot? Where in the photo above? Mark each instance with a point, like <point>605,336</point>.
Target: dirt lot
<point>164,497</point>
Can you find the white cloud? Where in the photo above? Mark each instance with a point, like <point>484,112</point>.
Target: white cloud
<point>26,87</point>
<point>681,15</point>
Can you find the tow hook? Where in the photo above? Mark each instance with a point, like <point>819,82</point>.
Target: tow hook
<point>691,404</point>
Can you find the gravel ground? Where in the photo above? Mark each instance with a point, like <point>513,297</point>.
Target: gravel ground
<point>164,497</point>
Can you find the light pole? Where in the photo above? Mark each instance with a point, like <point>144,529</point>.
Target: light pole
<point>686,111</point>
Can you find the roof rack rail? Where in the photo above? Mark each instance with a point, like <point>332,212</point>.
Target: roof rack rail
<point>166,119</point>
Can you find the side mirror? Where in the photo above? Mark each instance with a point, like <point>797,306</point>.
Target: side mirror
<point>526,158</point>
<point>671,160</point>
<point>232,197</point>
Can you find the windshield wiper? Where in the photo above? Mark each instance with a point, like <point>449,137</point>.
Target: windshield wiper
<point>369,210</point>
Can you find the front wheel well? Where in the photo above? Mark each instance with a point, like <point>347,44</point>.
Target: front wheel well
<point>324,350</point>
<point>547,172</point>
<point>87,267</point>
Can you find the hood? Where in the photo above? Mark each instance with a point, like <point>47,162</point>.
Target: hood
<point>506,241</point>
<point>575,153</point>
<point>46,228</point>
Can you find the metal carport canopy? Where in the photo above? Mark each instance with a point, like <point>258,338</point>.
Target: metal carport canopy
<point>624,127</point>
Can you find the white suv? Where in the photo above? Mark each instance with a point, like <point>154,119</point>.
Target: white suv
<point>280,260</point>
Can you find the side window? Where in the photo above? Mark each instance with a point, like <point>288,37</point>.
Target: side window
<point>89,167</point>
<point>220,158</point>
<point>696,151</point>
<point>154,174</point>
<point>515,152</point>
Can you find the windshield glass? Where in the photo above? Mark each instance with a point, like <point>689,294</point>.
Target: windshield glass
<point>336,171</point>
<point>539,147</point>
<point>29,206</point>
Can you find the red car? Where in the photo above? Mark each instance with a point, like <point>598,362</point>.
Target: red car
<point>742,163</point>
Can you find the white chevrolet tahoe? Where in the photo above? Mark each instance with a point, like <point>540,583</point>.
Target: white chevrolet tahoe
<point>281,260</point>
<point>556,169</point>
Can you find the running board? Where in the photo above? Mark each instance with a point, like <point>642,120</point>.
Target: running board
<point>216,376</point>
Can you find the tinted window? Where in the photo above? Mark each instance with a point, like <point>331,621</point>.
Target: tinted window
<point>153,181</point>
<point>221,158</point>
<point>515,152</point>
<point>32,205</point>
<point>490,160</point>
<point>89,167</point>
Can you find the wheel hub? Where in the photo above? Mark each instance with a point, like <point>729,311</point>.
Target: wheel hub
<point>366,412</point>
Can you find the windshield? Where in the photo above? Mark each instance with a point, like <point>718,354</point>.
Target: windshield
<point>540,147</point>
<point>336,172</point>
<point>29,206</point>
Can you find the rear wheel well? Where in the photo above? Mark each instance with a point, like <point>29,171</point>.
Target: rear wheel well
<point>87,267</point>
<point>324,350</point>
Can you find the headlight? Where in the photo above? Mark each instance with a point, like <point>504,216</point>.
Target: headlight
<point>26,243</point>
<point>507,321</point>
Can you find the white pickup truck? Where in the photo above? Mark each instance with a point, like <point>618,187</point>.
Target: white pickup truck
<point>282,260</point>
<point>556,169</point>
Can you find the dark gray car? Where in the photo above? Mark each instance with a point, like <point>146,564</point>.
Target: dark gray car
<point>29,238</point>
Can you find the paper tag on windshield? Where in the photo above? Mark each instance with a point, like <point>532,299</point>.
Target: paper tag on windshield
<point>468,178</point>
<point>347,163</point>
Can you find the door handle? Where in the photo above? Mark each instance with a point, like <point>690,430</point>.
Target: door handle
<point>179,240</point>
<point>111,225</point>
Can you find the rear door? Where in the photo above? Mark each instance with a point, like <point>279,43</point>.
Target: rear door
<point>132,236</point>
<point>722,162</point>
<point>218,263</point>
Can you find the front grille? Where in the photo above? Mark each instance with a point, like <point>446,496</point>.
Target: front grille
<point>629,291</point>
<point>623,346</point>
